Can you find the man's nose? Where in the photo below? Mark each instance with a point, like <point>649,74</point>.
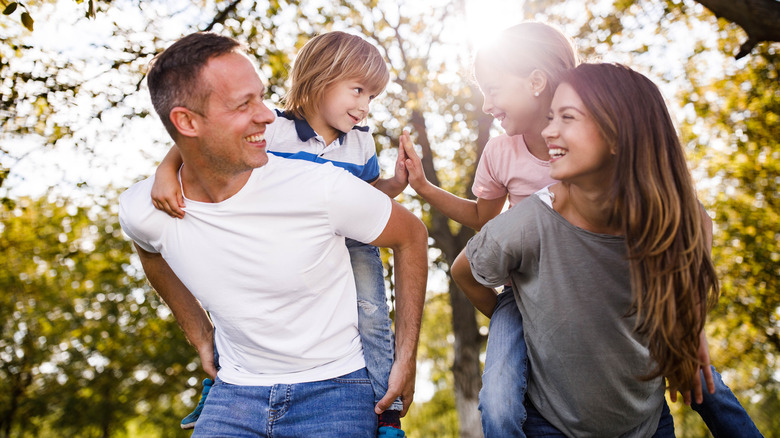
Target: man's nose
<point>264,114</point>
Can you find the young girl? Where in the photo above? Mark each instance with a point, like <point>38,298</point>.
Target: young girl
<point>610,266</point>
<point>517,75</point>
<point>334,79</point>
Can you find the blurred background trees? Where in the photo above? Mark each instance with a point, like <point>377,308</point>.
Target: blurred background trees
<point>87,349</point>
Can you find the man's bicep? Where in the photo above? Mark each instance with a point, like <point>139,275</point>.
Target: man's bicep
<point>147,257</point>
<point>155,267</point>
<point>400,228</point>
<point>357,210</point>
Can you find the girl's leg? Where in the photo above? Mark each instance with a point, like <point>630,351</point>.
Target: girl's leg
<point>538,426</point>
<point>504,381</point>
<point>374,322</point>
<point>722,412</point>
<point>665,424</point>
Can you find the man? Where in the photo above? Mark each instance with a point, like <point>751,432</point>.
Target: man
<point>262,250</point>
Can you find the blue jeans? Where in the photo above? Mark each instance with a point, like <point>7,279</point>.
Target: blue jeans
<point>332,408</point>
<point>374,322</point>
<point>537,425</point>
<point>504,381</point>
<point>722,412</point>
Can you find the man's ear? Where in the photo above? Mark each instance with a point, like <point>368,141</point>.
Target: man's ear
<point>185,121</point>
<point>538,81</point>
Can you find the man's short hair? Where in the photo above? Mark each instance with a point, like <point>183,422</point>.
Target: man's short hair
<point>174,76</point>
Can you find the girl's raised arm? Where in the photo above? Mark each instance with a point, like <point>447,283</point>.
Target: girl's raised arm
<point>473,214</point>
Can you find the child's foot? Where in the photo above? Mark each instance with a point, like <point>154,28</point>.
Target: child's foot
<point>189,421</point>
<point>390,425</point>
<point>390,432</point>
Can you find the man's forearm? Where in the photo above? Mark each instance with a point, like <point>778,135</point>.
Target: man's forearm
<point>190,315</point>
<point>411,278</point>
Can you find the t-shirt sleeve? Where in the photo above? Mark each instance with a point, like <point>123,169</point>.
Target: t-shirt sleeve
<point>487,184</point>
<point>357,210</point>
<point>135,211</point>
<point>489,257</point>
<point>370,171</point>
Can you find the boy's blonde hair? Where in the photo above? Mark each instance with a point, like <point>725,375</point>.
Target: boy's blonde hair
<point>329,58</point>
<point>530,46</point>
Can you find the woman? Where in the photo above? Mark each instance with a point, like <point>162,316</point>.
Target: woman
<point>609,267</point>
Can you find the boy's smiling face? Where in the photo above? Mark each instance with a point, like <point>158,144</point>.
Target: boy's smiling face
<point>344,105</point>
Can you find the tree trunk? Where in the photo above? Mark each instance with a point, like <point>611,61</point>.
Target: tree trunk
<point>468,341</point>
<point>465,367</point>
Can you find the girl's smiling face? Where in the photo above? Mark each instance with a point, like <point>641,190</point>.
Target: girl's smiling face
<point>508,98</point>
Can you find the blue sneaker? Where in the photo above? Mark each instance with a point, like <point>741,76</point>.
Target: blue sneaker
<point>189,421</point>
<point>390,432</point>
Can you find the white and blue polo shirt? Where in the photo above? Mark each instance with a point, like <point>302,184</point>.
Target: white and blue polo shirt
<point>354,151</point>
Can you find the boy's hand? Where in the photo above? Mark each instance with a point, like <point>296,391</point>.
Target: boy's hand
<point>166,195</point>
<point>413,164</point>
<point>401,175</point>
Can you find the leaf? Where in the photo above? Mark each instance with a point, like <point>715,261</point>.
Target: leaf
<point>27,21</point>
<point>10,8</point>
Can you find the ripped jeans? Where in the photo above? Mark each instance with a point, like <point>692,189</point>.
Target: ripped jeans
<point>374,322</point>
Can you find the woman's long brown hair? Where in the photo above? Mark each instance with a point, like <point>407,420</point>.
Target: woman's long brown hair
<point>672,275</point>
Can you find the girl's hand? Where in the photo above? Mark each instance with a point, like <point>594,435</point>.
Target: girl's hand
<point>166,194</point>
<point>705,373</point>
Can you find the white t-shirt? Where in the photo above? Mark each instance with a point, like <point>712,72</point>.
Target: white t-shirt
<point>507,167</point>
<point>270,266</point>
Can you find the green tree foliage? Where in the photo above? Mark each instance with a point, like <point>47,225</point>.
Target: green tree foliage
<point>738,118</point>
<point>86,346</point>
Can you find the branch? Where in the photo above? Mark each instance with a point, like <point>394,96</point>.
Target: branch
<point>759,19</point>
<point>220,18</point>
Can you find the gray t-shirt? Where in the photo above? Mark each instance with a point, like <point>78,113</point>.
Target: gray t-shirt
<point>573,290</point>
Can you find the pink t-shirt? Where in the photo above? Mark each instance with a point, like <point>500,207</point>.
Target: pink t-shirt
<point>507,166</point>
